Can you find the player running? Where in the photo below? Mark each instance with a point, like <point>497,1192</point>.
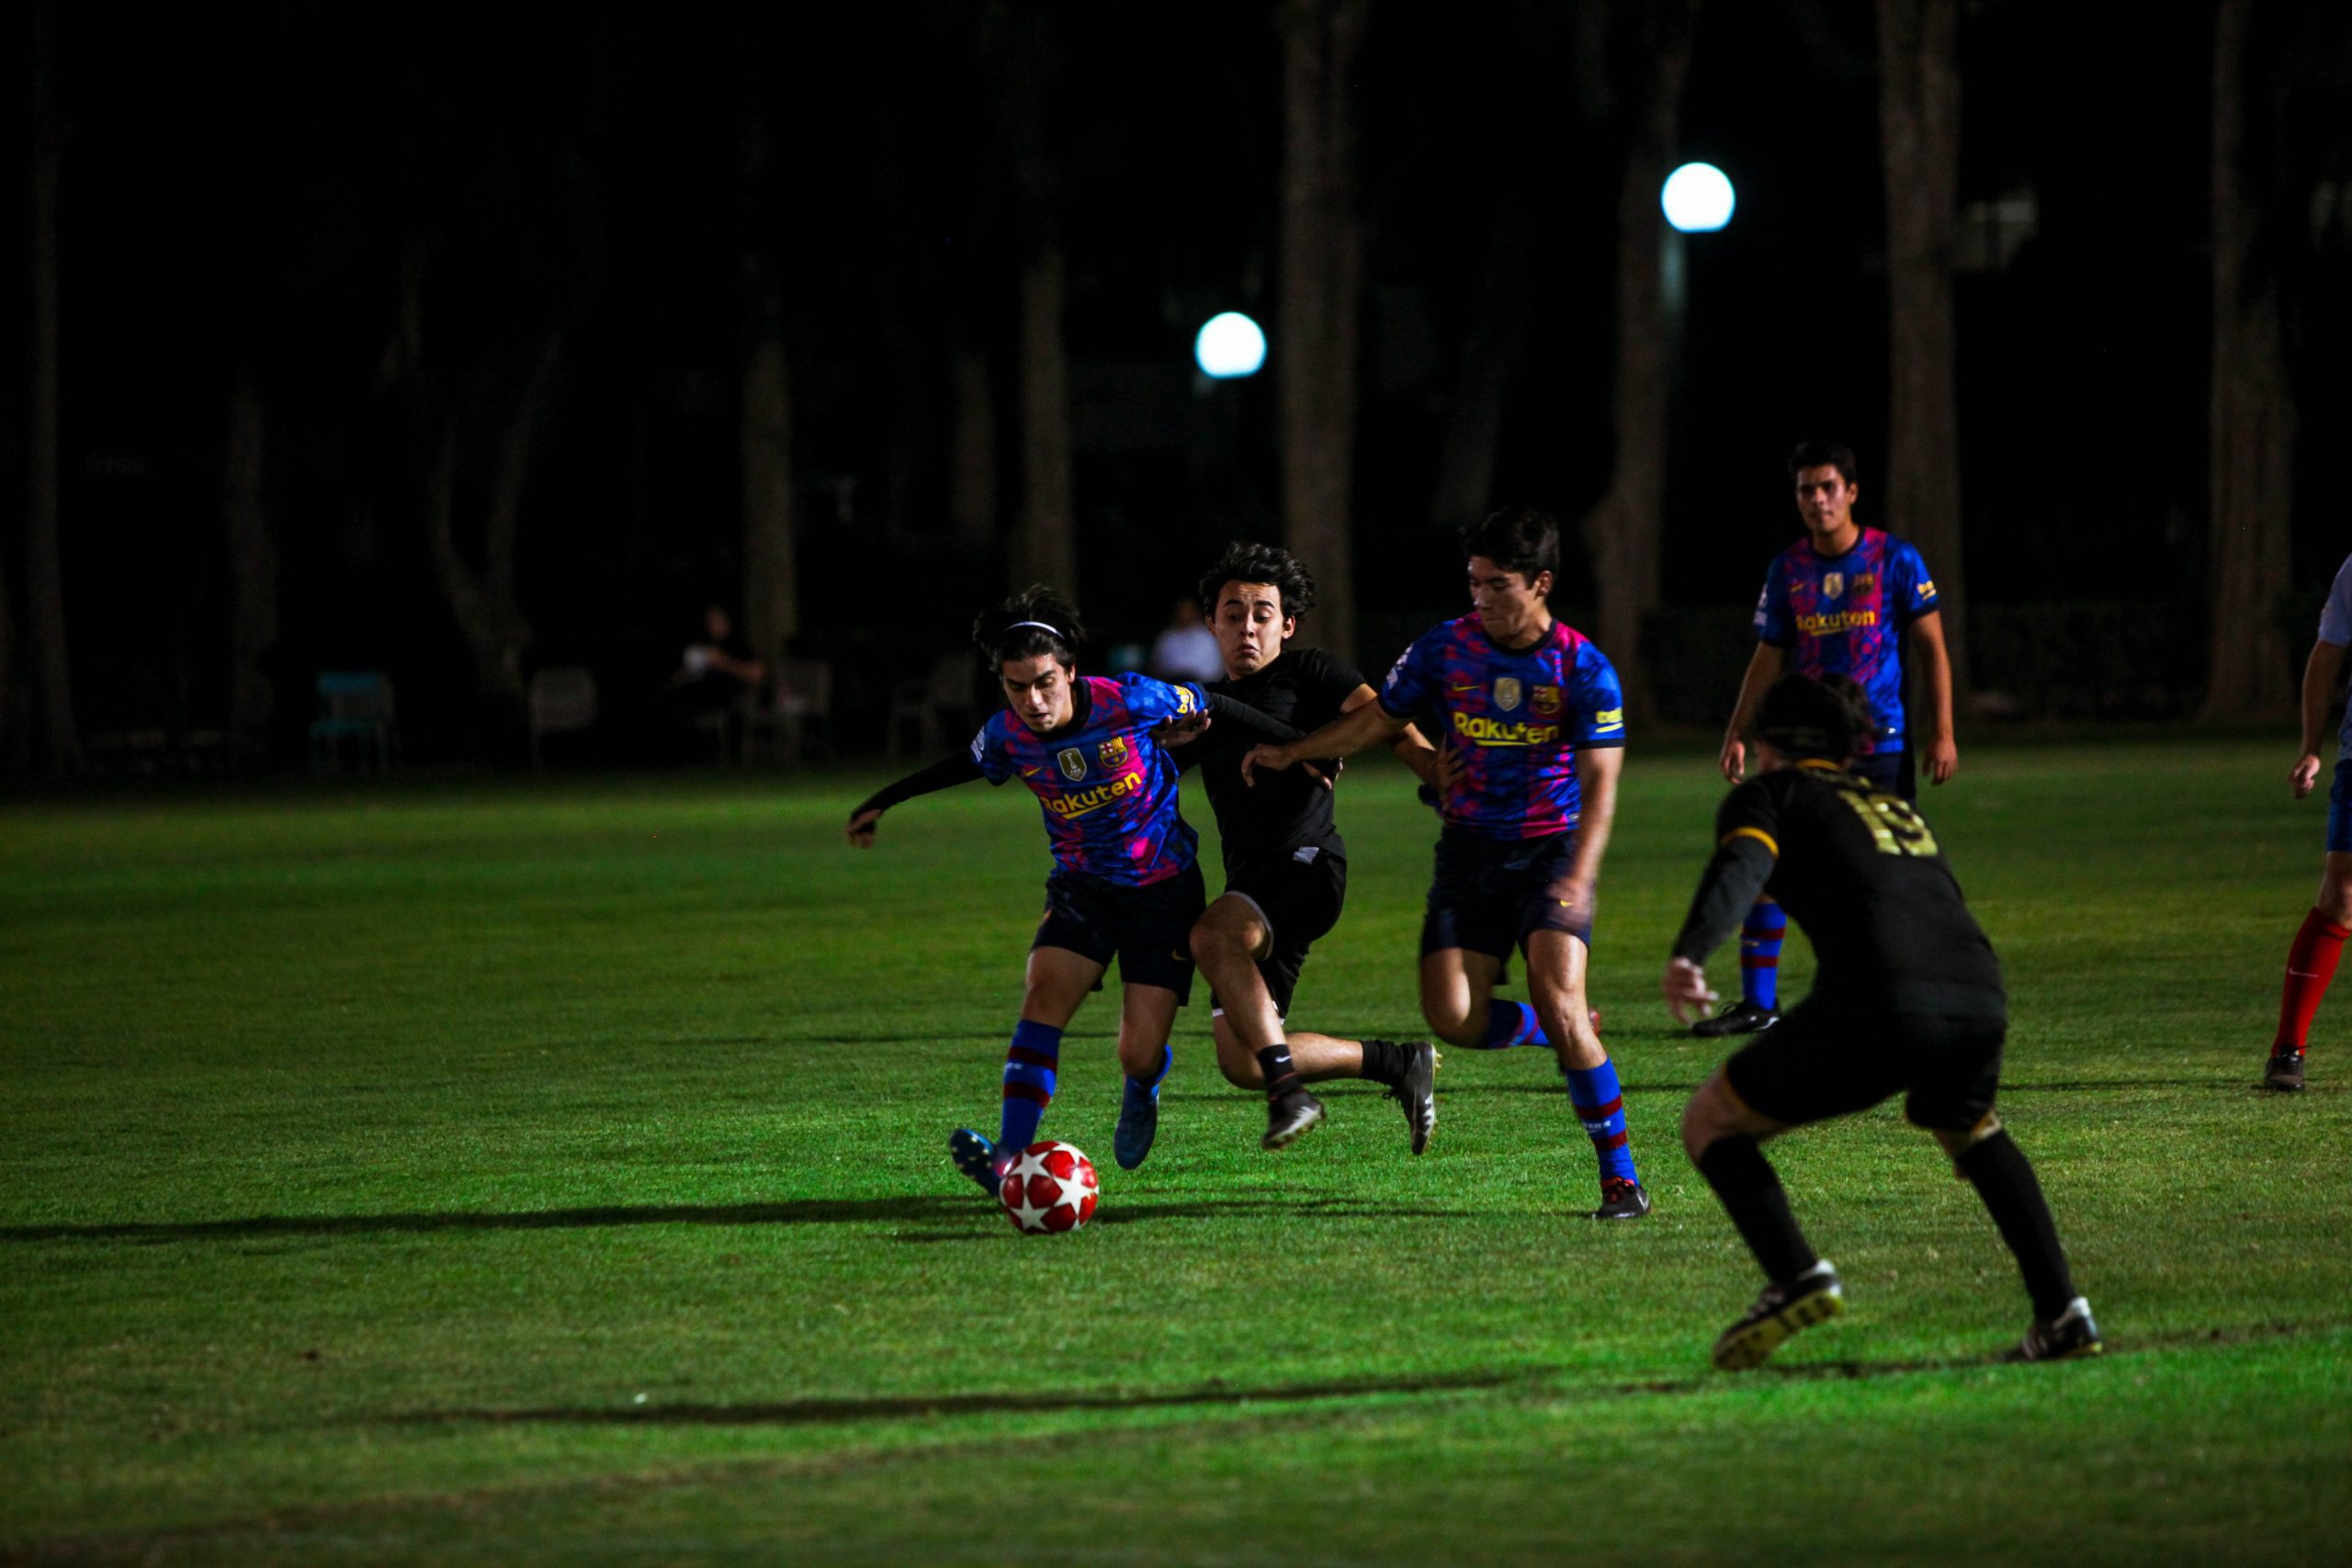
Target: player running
<point>2310,960</point>
<point>1908,998</point>
<point>1843,601</point>
<point>1531,714</point>
<point>1285,865</point>
<point>1125,882</point>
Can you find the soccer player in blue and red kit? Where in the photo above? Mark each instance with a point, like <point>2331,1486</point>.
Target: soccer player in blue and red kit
<point>2319,944</point>
<point>1842,601</point>
<point>1125,883</point>
<point>1532,715</point>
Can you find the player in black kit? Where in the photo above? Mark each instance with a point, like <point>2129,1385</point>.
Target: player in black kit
<point>1908,997</point>
<point>1285,865</point>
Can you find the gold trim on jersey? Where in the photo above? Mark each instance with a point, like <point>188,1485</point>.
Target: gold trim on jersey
<point>1759,834</point>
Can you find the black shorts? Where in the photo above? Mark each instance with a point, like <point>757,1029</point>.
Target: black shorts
<point>1147,930</point>
<point>1817,1064</point>
<point>1300,902</point>
<point>1888,772</point>
<point>1489,894</point>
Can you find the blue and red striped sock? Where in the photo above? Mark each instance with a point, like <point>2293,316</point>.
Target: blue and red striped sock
<point>1510,1024</point>
<point>1028,1083</point>
<point>1759,953</point>
<point>1601,1106</point>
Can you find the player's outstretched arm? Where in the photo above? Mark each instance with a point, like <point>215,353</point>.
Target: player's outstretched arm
<point>2319,673</point>
<point>1411,747</point>
<point>1343,737</point>
<point>1941,752</point>
<point>1764,667</point>
<point>949,771</point>
<point>1741,866</point>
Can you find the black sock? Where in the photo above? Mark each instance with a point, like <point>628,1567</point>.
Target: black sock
<point>2004,1179</point>
<point>1384,1062</point>
<point>1281,1073</point>
<point>1751,1194</point>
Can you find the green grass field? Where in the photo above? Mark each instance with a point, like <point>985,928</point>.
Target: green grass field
<point>482,1174</point>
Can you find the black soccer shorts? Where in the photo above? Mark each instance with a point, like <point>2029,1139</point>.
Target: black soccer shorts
<point>1300,902</point>
<point>1490,895</point>
<point>1149,930</point>
<point>1817,1063</point>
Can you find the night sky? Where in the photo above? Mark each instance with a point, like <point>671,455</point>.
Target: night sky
<point>243,192</point>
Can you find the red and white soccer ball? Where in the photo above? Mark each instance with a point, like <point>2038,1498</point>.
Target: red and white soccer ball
<point>1048,1187</point>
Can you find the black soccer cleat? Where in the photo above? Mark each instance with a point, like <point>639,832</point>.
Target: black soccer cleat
<point>2284,1072</point>
<point>1288,1116</point>
<point>1620,1200</point>
<point>1416,1092</point>
<point>2069,1333</point>
<point>976,1157</point>
<point>1778,1316</point>
<point>1738,1017</point>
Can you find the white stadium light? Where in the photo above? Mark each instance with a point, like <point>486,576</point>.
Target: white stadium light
<point>1697,199</point>
<point>1229,346</point>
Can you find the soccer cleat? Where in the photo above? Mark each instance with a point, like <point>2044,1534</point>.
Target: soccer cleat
<point>1288,1116</point>
<point>1138,1125</point>
<point>1416,1092</point>
<point>1621,1199</point>
<point>1738,1017</point>
<point>2284,1072</point>
<point>2069,1333</point>
<point>976,1157</point>
<point>1815,1296</point>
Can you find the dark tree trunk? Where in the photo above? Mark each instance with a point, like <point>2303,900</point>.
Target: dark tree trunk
<point>770,586</point>
<point>972,482</point>
<point>1322,286</point>
<point>771,566</point>
<point>1627,531</point>
<point>1049,551</point>
<point>2252,416</point>
<point>1919,52</point>
<point>253,576</point>
<point>56,744</point>
<point>1491,349</point>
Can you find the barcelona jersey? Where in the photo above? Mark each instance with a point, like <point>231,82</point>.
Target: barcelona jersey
<point>1515,719</point>
<point>1846,615</point>
<point>1107,790</point>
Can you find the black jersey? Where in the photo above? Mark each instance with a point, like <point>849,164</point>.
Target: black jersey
<point>1284,811</point>
<point>1859,870</point>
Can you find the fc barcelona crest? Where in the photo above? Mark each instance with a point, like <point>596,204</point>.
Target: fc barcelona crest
<point>1865,582</point>
<point>1072,763</point>
<point>1112,753</point>
<point>1545,701</point>
<point>1832,584</point>
<point>1507,692</point>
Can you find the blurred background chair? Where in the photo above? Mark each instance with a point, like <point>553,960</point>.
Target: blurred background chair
<point>563,702</point>
<point>935,711</point>
<point>802,711</point>
<point>356,712</point>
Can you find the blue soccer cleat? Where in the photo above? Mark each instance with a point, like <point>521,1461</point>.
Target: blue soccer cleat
<point>976,1157</point>
<point>1138,1125</point>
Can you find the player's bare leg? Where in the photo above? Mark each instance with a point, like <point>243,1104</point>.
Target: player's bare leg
<point>1555,976</point>
<point>1228,940</point>
<point>1057,981</point>
<point>1457,986</point>
<point>1721,1134</point>
<point>1146,1018</point>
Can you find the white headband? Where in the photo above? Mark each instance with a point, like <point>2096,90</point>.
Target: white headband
<point>1039,624</point>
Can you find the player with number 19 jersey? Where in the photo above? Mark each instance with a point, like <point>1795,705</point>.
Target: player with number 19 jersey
<point>1846,614</point>
<point>1514,718</point>
<point>1105,787</point>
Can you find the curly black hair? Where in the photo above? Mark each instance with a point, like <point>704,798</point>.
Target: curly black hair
<point>1246,562</point>
<point>1035,620</point>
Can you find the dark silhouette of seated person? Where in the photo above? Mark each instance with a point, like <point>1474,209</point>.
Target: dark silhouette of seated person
<point>718,670</point>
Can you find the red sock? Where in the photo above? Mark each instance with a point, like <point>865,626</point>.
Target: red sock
<point>2310,964</point>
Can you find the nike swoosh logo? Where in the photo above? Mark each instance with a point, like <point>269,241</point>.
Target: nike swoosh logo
<point>1459,691</point>
<point>1031,773</point>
